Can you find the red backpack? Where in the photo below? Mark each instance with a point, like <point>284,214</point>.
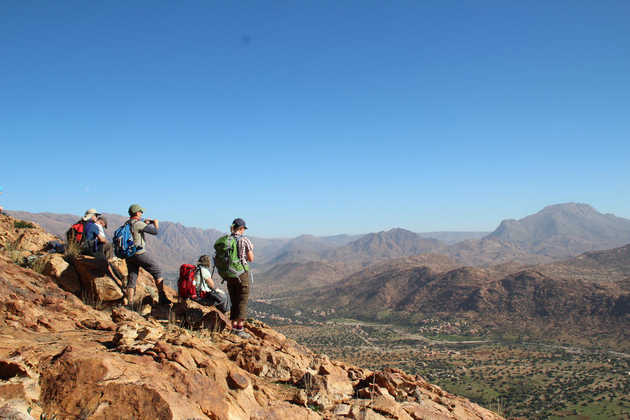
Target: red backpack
<point>185,284</point>
<point>75,233</point>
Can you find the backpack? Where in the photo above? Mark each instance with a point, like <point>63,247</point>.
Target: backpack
<point>124,246</point>
<point>185,283</point>
<point>226,258</point>
<point>75,233</point>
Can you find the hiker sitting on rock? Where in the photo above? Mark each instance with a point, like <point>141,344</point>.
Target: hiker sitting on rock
<point>208,294</point>
<point>141,258</point>
<point>96,241</point>
<point>77,232</point>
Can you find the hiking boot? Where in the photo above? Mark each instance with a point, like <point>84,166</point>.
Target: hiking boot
<point>241,333</point>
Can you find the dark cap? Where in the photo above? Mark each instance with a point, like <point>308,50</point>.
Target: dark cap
<point>238,223</point>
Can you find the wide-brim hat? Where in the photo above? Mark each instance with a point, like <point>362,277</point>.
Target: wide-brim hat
<point>89,213</point>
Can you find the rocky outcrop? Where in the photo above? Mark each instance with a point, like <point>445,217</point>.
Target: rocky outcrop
<point>65,358</point>
<point>25,237</point>
<point>56,267</point>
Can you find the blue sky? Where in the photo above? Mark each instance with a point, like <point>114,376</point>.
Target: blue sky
<point>316,116</point>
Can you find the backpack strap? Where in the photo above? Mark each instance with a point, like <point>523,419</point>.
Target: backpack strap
<point>132,222</point>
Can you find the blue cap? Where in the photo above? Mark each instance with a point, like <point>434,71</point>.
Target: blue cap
<point>239,223</point>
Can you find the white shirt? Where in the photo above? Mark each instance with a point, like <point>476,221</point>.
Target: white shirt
<point>200,280</point>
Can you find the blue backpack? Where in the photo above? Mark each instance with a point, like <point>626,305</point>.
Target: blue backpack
<point>124,246</point>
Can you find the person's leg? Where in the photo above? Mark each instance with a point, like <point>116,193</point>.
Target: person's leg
<point>239,294</point>
<point>244,296</point>
<point>233,286</point>
<point>153,268</point>
<point>108,251</point>
<point>132,268</point>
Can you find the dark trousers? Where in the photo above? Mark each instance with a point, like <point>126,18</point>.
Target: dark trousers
<point>105,251</point>
<point>133,266</point>
<point>239,293</point>
<point>218,300</point>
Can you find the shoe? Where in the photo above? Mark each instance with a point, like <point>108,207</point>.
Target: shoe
<point>241,333</point>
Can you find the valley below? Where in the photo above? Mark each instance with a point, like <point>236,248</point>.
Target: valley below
<point>510,374</point>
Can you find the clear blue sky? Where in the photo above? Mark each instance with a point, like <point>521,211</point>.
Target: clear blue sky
<point>317,117</point>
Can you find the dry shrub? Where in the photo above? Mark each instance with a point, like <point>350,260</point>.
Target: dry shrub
<point>72,250</point>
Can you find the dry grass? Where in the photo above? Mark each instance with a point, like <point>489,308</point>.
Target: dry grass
<point>89,298</point>
<point>37,264</point>
<point>72,250</point>
<point>12,250</point>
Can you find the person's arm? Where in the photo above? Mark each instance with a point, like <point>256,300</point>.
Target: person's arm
<point>209,280</point>
<point>100,235</point>
<point>249,250</point>
<point>151,227</point>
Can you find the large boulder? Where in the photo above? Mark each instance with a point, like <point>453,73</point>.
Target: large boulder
<point>197,316</point>
<point>61,272</point>
<point>97,285</point>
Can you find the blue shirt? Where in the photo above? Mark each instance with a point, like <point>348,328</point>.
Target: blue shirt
<point>91,231</point>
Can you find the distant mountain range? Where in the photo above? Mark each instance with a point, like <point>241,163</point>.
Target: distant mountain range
<point>177,244</point>
<point>556,232</point>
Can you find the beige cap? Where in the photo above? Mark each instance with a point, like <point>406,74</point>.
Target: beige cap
<point>89,213</point>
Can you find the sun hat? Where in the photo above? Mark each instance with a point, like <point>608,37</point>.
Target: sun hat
<point>89,213</point>
<point>135,208</point>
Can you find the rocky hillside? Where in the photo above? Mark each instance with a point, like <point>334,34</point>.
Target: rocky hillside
<point>60,356</point>
<point>584,297</point>
<point>610,266</point>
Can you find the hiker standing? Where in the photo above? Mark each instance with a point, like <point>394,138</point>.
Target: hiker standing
<point>237,251</point>
<point>140,258</point>
<point>0,193</point>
